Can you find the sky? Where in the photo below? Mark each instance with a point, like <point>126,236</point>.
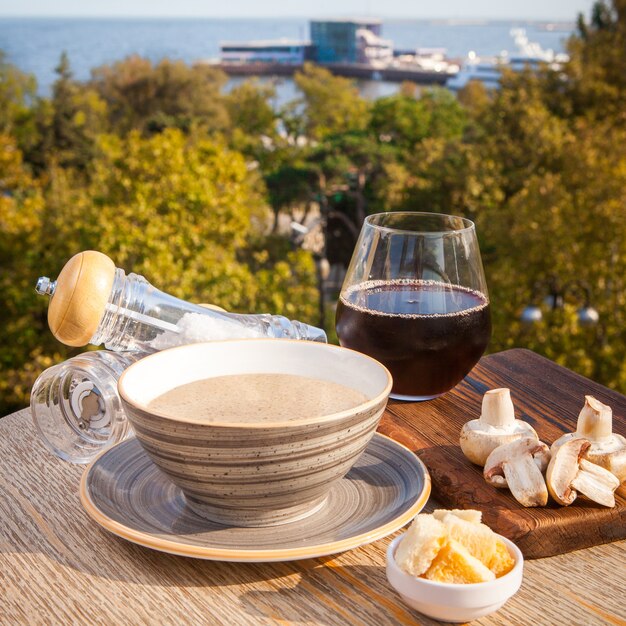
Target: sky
<point>447,9</point>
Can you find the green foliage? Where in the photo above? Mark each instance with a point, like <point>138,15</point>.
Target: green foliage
<point>252,119</point>
<point>18,104</point>
<point>250,110</point>
<point>597,81</point>
<point>350,164</point>
<point>330,104</point>
<point>405,121</point>
<point>285,279</point>
<point>22,316</point>
<point>549,153</point>
<point>150,97</point>
<point>571,222</point>
<point>17,94</point>
<point>290,187</point>
<point>442,176</point>
<point>77,117</point>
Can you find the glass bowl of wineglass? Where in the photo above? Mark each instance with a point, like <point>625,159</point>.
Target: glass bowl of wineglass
<point>415,298</point>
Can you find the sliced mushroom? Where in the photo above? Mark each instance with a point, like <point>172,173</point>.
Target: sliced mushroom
<point>496,426</point>
<point>519,465</point>
<point>569,473</point>
<point>607,449</point>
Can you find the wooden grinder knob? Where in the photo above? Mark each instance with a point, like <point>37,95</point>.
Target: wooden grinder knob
<point>82,291</point>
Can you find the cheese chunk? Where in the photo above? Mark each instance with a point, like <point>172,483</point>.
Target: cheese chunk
<point>453,547</point>
<point>420,545</point>
<point>478,539</point>
<point>454,564</point>
<point>502,561</point>
<point>469,515</point>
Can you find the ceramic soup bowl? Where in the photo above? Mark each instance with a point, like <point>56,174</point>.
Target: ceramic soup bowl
<point>263,473</point>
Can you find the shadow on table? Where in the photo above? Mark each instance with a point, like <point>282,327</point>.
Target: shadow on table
<point>298,592</point>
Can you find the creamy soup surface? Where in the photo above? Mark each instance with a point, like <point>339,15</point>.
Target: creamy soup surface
<point>249,398</point>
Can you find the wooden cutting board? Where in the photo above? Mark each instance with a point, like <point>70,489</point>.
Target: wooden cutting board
<point>547,396</point>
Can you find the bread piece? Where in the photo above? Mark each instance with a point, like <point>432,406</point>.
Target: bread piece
<point>502,562</point>
<point>454,564</point>
<point>469,515</point>
<point>420,545</point>
<point>478,539</point>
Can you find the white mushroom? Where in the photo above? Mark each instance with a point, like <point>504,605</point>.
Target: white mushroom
<point>496,426</point>
<point>607,449</point>
<point>519,465</point>
<point>569,473</point>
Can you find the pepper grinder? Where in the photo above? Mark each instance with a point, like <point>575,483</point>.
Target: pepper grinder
<point>75,405</point>
<point>94,302</point>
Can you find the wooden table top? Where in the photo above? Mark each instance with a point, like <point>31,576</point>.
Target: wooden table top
<point>57,566</point>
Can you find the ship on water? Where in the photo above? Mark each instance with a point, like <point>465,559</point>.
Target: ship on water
<point>528,55</point>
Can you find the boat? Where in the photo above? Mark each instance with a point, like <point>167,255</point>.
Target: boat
<point>485,70</point>
<point>488,70</point>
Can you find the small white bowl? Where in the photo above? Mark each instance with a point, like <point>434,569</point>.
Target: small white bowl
<point>455,602</point>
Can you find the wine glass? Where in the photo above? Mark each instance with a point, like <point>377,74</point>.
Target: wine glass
<point>415,298</point>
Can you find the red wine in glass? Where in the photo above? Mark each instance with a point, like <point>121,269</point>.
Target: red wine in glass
<point>429,335</point>
<point>415,299</point>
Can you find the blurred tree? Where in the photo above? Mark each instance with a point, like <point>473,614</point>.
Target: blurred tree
<point>540,166</point>
<point>292,188</point>
<point>22,316</point>
<point>151,97</point>
<point>65,134</point>
<point>403,120</point>
<point>399,119</point>
<point>349,163</point>
<point>474,97</point>
<point>446,176</point>
<point>560,166</point>
<point>249,107</point>
<point>571,223</point>
<point>408,89</point>
<point>519,131</point>
<point>78,117</point>
<point>67,124</point>
<point>285,278</point>
<point>253,123</point>
<point>330,104</point>
<point>17,97</point>
<point>176,210</point>
<point>596,85</point>
<point>447,118</point>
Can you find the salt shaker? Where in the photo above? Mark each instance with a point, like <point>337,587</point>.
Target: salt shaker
<point>94,302</point>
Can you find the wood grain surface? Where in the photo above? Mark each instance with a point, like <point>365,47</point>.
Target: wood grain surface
<point>547,396</point>
<point>58,567</point>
